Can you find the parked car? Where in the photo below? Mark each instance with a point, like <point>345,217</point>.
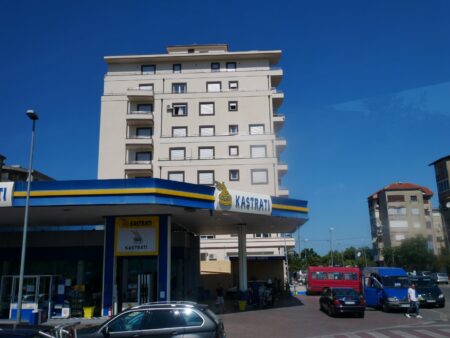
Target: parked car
<point>428,293</point>
<point>23,331</point>
<point>336,301</point>
<point>440,277</point>
<point>423,273</point>
<point>168,319</point>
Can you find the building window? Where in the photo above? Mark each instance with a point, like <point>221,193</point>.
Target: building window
<point>231,66</point>
<point>177,154</point>
<point>207,131</point>
<point>427,212</point>
<point>206,153</point>
<point>232,106</point>
<point>233,150</point>
<point>443,186</point>
<point>233,129</point>
<point>413,198</point>
<point>144,108</point>
<point>415,211</point>
<point>148,69</point>
<point>143,157</point>
<point>263,235</point>
<point>180,109</point>
<point>397,211</point>
<point>213,87</point>
<point>176,176</point>
<point>259,176</point>
<point>207,236</point>
<point>234,175</point>
<point>233,85</point>
<point>176,68</point>
<point>143,132</point>
<point>205,177</point>
<point>258,151</point>
<point>179,131</point>
<point>256,129</point>
<point>203,255</point>
<point>215,66</point>
<point>207,108</point>
<point>396,198</point>
<point>146,86</point>
<point>179,88</point>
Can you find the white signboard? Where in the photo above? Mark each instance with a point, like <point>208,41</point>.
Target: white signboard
<point>6,193</point>
<point>136,236</point>
<point>240,201</point>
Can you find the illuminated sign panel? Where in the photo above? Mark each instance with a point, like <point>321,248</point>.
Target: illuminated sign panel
<point>239,201</point>
<point>6,193</point>
<point>136,236</point>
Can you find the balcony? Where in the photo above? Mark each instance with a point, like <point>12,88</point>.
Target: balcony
<point>278,121</point>
<point>280,144</point>
<point>276,76</point>
<point>140,166</point>
<point>283,192</point>
<point>140,93</point>
<point>139,115</point>
<point>277,97</point>
<point>139,140</point>
<point>143,173</point>
<point>282,168</point>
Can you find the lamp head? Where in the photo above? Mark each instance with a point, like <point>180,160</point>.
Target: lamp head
<point>32,115</point>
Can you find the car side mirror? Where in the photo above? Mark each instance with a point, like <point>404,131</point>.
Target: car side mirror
<point>105,331</point>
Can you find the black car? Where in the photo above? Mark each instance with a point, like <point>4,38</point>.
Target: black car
<point>167,319</point>
<point>428,293</point>
<point>23,331</point>
<point>342,301</point>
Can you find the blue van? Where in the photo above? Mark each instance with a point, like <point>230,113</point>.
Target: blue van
<point>385,288</point>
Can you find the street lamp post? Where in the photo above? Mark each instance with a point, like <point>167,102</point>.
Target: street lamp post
<point>33,117</point>
<point>306,251</point>
<point>331,246</point>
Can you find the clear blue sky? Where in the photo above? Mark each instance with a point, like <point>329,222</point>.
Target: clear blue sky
<point>366,85</point>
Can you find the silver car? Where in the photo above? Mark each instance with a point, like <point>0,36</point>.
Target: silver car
<point>440,277</point>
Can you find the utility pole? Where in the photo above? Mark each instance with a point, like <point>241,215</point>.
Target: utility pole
<point>331,246</point>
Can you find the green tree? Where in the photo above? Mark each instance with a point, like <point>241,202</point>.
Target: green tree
<point>412,254</point>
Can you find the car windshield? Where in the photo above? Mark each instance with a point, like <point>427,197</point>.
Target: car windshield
<point>345,293</point>
<point>426,282</point>
<point>442,274</point>
<point>395,281</point>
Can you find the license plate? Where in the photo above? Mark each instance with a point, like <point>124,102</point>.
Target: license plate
<point>349,303</point>
<point>431,301</point>
<point>404,305</point>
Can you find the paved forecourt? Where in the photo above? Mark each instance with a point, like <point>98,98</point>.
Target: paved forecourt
<point>304,319</point>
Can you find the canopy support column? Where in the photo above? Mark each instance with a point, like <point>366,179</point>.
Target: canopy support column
<point>242,238</point>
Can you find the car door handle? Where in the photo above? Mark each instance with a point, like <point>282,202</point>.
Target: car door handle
<point>174,332</point>
<point>135,335</point>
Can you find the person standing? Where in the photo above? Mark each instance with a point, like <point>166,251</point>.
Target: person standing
<point>413,302</point>
<point>220,301</point>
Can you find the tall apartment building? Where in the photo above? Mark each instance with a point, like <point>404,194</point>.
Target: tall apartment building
<point>442,169</point>
<point>198,114</point>
<point>400,211</point>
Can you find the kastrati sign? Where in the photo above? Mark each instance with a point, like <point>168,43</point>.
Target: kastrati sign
<point>6,193</point>
<point>136,236</point>
<point>240,201</point>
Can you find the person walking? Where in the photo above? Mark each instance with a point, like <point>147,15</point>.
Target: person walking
<point>413,302</point>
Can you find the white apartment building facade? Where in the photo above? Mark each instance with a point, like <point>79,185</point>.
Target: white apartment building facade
<point>198,114</point>
<point>400,211</point>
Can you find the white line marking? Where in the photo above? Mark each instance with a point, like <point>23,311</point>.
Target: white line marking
<point>403,334</point>
<point>377,335</point>
<point>431,334</point>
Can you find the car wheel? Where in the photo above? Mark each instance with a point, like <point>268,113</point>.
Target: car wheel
<point>321,307</point>
<point>361,315</point>
<point>330,311</point>
<point>385,307</point>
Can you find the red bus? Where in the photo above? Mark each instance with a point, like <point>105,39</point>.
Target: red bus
<point>321,277</point>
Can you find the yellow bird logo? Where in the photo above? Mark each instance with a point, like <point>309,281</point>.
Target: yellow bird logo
<point>224,196</point>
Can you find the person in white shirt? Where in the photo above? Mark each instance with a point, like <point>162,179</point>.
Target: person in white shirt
<point>413,302</point>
